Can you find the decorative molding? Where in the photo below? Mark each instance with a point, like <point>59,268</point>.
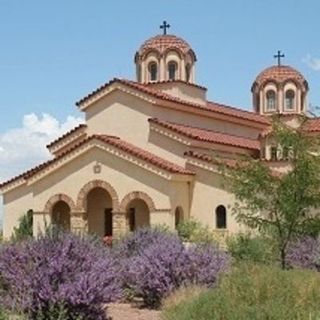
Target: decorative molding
<point>82,196</point>
<point>56,198</point>
<point>137,195</point>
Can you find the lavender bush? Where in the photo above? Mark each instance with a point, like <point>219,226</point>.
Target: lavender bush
<point>160,263</point>
<point>58,271</point>
<point>304,253</point>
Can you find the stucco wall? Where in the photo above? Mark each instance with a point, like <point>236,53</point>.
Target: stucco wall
<point>208,193</point>
<point>123,115</point>
<point>16,203</point>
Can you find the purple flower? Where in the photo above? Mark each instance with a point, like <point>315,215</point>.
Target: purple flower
<point>304,253</point>
<point>58,269</point>
<point>159,264</point>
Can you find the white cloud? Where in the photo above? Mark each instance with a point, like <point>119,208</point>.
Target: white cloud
<point>313,63</point>
<point>24,147</point>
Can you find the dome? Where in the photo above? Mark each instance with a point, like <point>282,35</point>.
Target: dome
<point>280,74</point>
<point>162,43</point>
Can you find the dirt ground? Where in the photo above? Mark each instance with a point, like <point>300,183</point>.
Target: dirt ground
<point>127,311</point>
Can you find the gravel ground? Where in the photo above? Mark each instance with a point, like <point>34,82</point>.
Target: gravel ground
<point>127,311</point>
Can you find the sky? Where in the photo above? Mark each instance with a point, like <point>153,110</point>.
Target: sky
<point>52,53</point>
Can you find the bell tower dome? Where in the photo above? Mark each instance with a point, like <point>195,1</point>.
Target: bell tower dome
<point>280,89</point>
<point>165,57</point>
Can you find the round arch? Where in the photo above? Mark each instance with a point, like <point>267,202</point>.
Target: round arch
<point>82,196</point>
<point>55,199</point>
<point>137,195</point>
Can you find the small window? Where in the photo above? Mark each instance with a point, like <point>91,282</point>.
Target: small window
<point>274,152</point>
<point>172,70</point>
<point>221,217</point>
<point>178,216</point>
<point>290,100</point>
<point>271,100</point>
<point>153,71</point>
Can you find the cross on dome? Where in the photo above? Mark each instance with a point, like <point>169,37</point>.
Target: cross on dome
<point>165,26</point>
<point>279,56</point>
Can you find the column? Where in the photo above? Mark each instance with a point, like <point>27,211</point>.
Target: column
<point>183,70</point>
<point>78,224</point>
<point>119,224</point>
<point>162,70</point>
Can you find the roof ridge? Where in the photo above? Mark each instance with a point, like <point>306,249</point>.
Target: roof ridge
<point>235,108</point>
<point>116,142</point>
<point>238,113</point>
<point>157,120</point>
<point>71,131</point>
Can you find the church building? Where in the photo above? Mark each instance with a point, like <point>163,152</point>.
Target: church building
<point>147,153</point>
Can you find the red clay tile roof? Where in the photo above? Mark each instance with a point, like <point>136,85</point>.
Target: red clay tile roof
<point>207,158</point>
<point>80,126</point>
<point>312,125</point>
<point>143,154</point>
<point>162,43</point>
<point>154,84</point>
<point>210,106</point>
<point>209,135</point>
<point>231,163</point>
<point>280,74</point>
<point>113,141</point>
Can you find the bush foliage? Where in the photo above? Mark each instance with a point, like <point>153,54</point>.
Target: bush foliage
<point>58,273</point>
<point>154,263</point>
<point>25,228</point>
<point>255,292</point>
<point>258,249</point>
<point>193,231</point>
<point>304,253</point>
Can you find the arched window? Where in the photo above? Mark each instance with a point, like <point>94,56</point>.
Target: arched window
<point>221,217</point>
<point>188,72</point>
<point>271,100</point>
<point>289,99</point>
<point>153,71</point>
<point>172,70</point>
<point>178,216</point>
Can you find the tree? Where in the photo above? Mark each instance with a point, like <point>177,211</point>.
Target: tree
<point>25,228</point>
<point>284,204</point>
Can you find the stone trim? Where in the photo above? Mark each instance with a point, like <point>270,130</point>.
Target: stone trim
<point>82,196</point>
<point>137,195</point>
<point>56,198</point>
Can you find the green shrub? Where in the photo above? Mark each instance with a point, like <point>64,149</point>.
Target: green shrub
<point>245,247</point>
<point>25,228</point>
<point>194,231</point>
<point>255,292</point>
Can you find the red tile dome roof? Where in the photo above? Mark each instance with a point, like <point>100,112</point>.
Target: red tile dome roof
<point>280,74</point>
<point>162,43</point>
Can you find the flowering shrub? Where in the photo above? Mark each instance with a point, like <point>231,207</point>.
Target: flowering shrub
<point>304,253</point>
<point>58,271</point>
<point>159,263</point>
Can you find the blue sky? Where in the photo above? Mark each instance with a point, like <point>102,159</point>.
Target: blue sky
<point>54,52</point>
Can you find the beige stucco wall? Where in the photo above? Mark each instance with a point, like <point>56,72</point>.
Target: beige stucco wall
<point>123,115</point>
<point>16,204</point>
<point>124,176</point>
<point>126,116</point>
<point>208,193</point>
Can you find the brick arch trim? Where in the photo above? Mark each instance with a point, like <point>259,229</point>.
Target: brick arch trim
<point>56,198</point>
<point>137,195</point>
<point>82,196</point>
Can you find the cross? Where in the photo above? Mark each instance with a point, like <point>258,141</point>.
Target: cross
<point>165,26</point>
<point>279,56</point>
